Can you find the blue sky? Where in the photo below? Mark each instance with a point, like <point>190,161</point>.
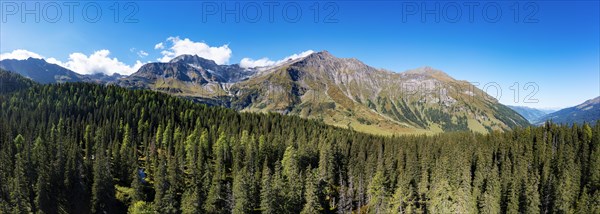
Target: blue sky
<point>554,44</point>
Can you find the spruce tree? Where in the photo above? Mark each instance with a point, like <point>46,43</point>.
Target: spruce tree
<point>311,194</point>
<point>241,192</point>
<point>377,193</point>
<point>20,190</point>
<point>103,191</point>
<point>268,199</point>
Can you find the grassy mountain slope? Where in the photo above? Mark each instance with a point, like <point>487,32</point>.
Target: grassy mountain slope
<point>348,93</point>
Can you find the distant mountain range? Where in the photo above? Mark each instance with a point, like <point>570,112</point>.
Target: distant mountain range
<point>43,72</point>
<point>339,91</point>
<point>588,111</point>
<point>531,114</point>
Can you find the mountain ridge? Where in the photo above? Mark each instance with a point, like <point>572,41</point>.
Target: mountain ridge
<point>588,111</point>
<point>40,71</point>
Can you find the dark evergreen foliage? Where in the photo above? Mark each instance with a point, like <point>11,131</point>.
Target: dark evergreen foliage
<point>82,148</point>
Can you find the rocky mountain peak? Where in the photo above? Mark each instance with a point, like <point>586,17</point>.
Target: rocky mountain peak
<point>31,59</point>
<point>428,71</point>
<point>321,55</point>
<point>194,60</point>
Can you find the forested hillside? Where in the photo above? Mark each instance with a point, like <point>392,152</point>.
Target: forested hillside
<point>84,148</point>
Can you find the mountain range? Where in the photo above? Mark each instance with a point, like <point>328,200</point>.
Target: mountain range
<point>343,92</point>
<point>339,91</point>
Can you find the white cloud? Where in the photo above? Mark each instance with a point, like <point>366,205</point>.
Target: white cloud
<point>250,63</point>
<point>20,54</point>
<point>159,46</point>
<point>266,62</point>
<point>53,60</point>
<point>179,47</point>
<point>98,62</point>
<point>142,54</point>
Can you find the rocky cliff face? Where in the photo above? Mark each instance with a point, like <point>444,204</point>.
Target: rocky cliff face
<point>188,75</point>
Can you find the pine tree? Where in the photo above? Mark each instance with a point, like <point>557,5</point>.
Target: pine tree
<point>268,199</point>
<point>174,179</point>
<point>127,153</point>
<point>20,188</point>
<point>103,191</point>
<point>345,196</point>
<point>311,194</point>
<point>216,198</point>
<point>594,162</point>
<point>167,138</point>
<point>191,151</point>
<point>191,201</point>
<point>165,199</point>
<point>441,194</point>
<point>161,184</point>
<point>567,184</point>
<point>241,192</point>
<point>44,202</point>
<point>77,195</point>
<point>137,184</point>
<point>530,197</point>
<point>583,203</point>
<point>293,183</point>
<point>88,137</point>
<point>377,193</point>
<point>489,201</point>
<point>512,197</point>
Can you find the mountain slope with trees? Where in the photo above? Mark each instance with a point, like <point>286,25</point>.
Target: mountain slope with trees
<point>85,148</point>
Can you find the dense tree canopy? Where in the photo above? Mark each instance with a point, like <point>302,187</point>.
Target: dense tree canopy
<point>81,148</point>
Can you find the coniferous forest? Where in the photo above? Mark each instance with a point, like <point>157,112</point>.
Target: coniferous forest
<point>85,148</point>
